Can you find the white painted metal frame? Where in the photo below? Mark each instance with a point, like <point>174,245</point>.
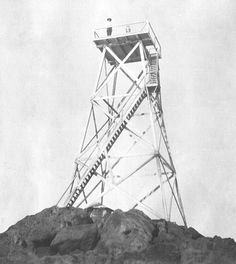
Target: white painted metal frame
<point>103,103</point>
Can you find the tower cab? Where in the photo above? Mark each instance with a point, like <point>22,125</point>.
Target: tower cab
<point>123,39</point>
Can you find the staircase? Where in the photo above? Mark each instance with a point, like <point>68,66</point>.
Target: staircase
<point>153,70</point>
<point>112,139</point>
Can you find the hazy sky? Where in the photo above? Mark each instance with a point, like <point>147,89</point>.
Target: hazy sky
<point>48,66</point>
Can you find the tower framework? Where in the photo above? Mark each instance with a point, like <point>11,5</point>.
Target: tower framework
<point>125,159</point>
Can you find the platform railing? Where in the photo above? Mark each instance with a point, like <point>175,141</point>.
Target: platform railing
<point>129,29</point>
<point>154,37</point>
<point>121,30</point>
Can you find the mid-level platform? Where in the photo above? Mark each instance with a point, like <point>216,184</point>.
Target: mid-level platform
<point>125,37</point>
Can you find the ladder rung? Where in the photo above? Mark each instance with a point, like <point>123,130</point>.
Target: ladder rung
<point>107,148</point>
<point>140,100</point>
<point>129,116</point>
<point>113,139</point>
<point>132,111</point>
<point>97,164</point>
<point>88,175</point>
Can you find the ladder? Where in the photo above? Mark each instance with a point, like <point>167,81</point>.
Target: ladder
<point>112,139</point>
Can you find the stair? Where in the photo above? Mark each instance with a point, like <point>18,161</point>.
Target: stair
<point>112,139</point>
<point>153,70</point>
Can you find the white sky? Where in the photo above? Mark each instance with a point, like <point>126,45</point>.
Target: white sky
<point>48,66</point>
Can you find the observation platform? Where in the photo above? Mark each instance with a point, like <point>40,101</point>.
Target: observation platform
<point>124,38</point>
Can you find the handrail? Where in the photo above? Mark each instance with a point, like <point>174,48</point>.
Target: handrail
<point>123,25</point>
<point>159,45</point>
<point>129,29</point>
<point>121,29</point>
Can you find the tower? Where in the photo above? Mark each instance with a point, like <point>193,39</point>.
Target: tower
<point>125,159</point>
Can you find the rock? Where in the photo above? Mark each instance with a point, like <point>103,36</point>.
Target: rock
<point>82,237</point>
<point>99,215</point>
<point>126,232</point>
<point>65,259</point>
<point>84,258</point>
<point>192,233</point>
<point>5,244</point>
<point>19,256</point>
<point>168,253</point>
<point>197,251</point>
<point>208,250</point>
<point>68,235</point>
<point>40,229</point>
<point>171,232</point>
<point>224,250</point>
<point>35,233</point>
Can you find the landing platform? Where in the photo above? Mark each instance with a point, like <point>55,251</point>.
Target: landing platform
<point>124,38</point>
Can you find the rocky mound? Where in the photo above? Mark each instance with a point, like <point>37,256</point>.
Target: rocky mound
<point>99,235</point>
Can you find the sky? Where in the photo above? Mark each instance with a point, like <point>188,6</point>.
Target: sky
<point>48,67</point>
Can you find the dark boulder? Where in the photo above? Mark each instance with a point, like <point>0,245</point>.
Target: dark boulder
<point>130,231</point>
<point>80,237</point>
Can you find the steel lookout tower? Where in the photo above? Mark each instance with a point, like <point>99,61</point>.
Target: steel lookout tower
<point>125,159</point>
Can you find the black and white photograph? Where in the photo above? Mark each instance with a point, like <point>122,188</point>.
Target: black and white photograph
<point>117,131</point>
